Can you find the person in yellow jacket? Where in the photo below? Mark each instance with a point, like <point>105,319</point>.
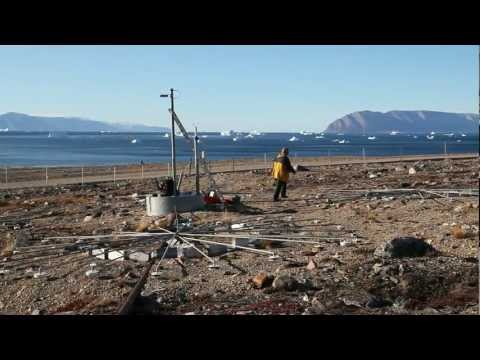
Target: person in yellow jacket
<point>280,172</point>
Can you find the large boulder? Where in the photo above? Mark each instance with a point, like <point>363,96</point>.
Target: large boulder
<point>404,247</point>
<point>285,282</point>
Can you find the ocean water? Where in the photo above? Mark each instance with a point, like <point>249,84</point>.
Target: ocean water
<point>74,149</point>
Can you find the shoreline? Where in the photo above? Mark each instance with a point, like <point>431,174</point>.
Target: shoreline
<point>24,177</point>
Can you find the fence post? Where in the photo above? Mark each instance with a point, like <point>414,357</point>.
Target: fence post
<point>82,176</point>
<point>46,176</point>
<point>6,175</point>
<point>445,148</point>
<point>114,175</point>
<point>363,156</point>
<point>233,164</point>
<point>168,174</point>
<point>142,171</point>
<point>265,159</point>
<point>329,160</point>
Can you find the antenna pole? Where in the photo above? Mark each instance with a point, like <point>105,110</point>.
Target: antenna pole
<point>174,163</point>
<point>195,150</point>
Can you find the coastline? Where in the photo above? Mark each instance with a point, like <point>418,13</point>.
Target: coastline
<point>23,177</point>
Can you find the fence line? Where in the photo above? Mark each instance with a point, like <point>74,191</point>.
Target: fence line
<point>20,177</point>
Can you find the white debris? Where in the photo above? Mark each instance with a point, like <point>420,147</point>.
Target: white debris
<point>39,275</point>
<point>134,196</point>
<point>238,226</point>
<point>412,171</point>
<point>372,176</point>
<point>88,218</point>
<point>4,271</point>
<point>91,273</point>
<point>340,227</point>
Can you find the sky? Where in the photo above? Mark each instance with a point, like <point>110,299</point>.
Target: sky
<point>243,88</point>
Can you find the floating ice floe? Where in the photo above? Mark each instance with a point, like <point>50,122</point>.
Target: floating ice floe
<point>134,141</point>
<point>293,138</point>
<point>430,137</point>
<point>394,133</point>
<point>371,138</point>
<point>303,132</point>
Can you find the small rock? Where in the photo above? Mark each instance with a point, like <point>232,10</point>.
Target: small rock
<point>376,302</point>
<point>284,282</point>
<point>300,168</point>
<point>412,171</point>
<point>404,247</point>
<point>36,312</point>
<point>459,208</point>
<point>311,265</point>
<point>88,218</point>
<point>262,280</point>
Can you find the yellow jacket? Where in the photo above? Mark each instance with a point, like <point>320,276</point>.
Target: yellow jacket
<point>282,168</point>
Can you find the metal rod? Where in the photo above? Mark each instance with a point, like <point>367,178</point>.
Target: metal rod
<point>197,174</point>
<point>174,165</point>
<point>265,252</point>
<point>127,305</point>
<point>261,238</point>
<point>196,248</point>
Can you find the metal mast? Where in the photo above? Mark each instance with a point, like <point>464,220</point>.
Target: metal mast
<point>172,135</point>
<point>195,150</point>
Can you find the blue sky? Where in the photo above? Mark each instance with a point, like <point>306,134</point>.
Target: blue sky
<point>265,88</point>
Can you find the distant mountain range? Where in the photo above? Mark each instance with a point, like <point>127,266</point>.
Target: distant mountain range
<point>23,122</point>
<point>371,122</point>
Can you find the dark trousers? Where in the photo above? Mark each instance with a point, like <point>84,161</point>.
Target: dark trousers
<point>281,187</point>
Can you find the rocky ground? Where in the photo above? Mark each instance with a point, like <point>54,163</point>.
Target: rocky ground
<point>347,270</point>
